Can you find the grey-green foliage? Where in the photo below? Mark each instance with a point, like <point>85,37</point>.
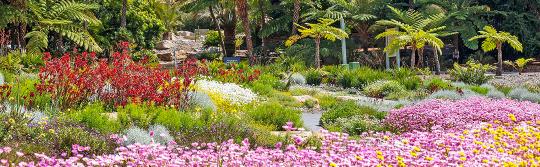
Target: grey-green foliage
<point>467,93</point>
<point>202,100</point>
<point>459,84</point>
<point>161,134</point>
<point>445,94</point>
<point>36,117</point>
<point>524,94</point>
<point>488,86</point>
<point>297,79</point>
<point>495,94</point>
<point>137,135</point>
<point>1,78</point>
<point>517,93</point>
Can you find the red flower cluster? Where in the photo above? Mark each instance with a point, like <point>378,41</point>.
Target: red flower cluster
<point>118,82</point>
<point>237,74</point>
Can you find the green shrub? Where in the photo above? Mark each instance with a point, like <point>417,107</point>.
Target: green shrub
<point>32,61</point>
<point>94,117</point>
<point>327,101</point>
<point>333,73</point>
<point>140,115</point>
<point>178,120</point>
<point>274,114</point>
<point>212,38</point>
<point>348,109</point>
<point>406,77</point>
<point>314,77</point>
<point>358,78</point>
<point>66,137</point>
<point>472,73</point>
<point>479,89</point>
<point>436,84</point>
<point>358,124</point>
<point>382,88</point>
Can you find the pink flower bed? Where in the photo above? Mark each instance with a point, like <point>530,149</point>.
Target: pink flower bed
<point>484,145</point>
<point>460,114</point>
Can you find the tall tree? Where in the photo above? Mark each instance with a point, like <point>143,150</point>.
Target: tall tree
<point>296,16</point>
<point>494,39</point>
<point>464,17</point>
<point>242,8</point>
<point>123,14</point>
<point>224,14</point>
<point>415,30</point>
<point>321,30</point>
<point>168,12</point>
<point>360,14</point>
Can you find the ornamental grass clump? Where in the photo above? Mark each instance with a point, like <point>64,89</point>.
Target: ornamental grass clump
<point>460,114</point>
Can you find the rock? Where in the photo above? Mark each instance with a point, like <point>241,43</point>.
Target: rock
<point>165,44</point>
<point>305,98</point>
<point>185,34</point>
<point>168,56</point>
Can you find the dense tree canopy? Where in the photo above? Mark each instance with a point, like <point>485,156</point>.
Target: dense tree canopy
<point>96,25</point>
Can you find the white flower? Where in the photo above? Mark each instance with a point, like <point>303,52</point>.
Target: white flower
<point>229,91</point>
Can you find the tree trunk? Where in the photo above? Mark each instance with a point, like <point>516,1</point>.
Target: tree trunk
<point>317,52</point>
<point>221,39</point>
<point>499,58</point>
<point>296,16</point>
<point>420,58</point>
<point>229,40</point>
<point>455,41</point>
<point>262,23</point>
<point>411,4</point>
<point>437,63</point>
<point>413,57</point>
<point>241,6</point>
<point>123,14</point>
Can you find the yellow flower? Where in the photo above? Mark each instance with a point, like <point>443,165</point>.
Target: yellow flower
<point>413,154</point>
<point>485,161</point>
<point>429,158</point>
<point>333,164</point>
<point>415,148</point>
<point>358,158</point>
<point>512,117</point>
<point>463,158</point>
<point>51,131</point>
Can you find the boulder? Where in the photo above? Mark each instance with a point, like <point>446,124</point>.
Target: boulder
<point>165,44</point>
<point>168,56</point>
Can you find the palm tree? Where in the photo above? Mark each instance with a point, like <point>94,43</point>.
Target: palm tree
<point>242,8</point>
<point>123,14</point>
<point>65,18</point>
<point>168,12</point>
<point>323,29</point>
<point>494,39</point>
<point>415,30</point>
<point>296,16</point>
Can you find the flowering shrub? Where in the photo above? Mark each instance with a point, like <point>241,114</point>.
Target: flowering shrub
<point>75,81</point>
<point>457,115</point>
<point>482,145</point>
<point>231,92</point>
<point>233,73</point>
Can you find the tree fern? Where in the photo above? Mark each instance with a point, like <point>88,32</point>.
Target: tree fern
<point>65,17</point>
<point>494,39</point>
